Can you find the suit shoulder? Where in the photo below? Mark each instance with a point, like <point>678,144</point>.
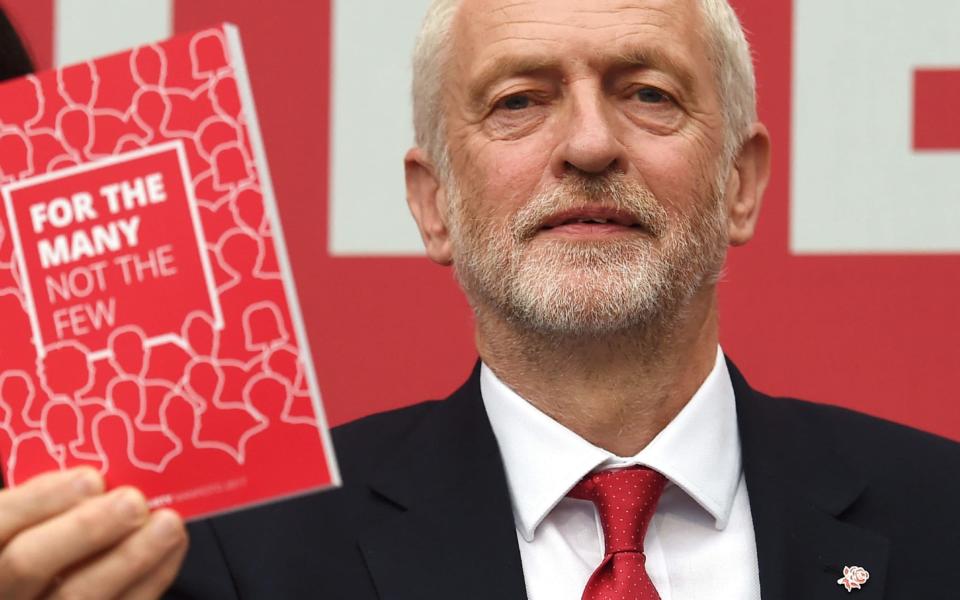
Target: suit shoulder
<point>869,440</point>
<point>362,444</point>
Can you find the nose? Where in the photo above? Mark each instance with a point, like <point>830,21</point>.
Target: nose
<point>590,144</point>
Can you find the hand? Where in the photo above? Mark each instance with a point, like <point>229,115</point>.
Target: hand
<point>62,537</point>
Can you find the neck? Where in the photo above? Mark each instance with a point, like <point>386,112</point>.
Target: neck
<point>617,391</point>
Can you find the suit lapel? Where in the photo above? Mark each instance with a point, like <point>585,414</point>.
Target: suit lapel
<point>453,535</point>
<point>799,487</point>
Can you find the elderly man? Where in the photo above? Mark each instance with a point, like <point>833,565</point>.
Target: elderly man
<point>583,166</point>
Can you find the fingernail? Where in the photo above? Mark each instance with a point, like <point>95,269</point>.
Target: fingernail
<point>130,503</point>
<point>165,527</point>
<point>87,482</point>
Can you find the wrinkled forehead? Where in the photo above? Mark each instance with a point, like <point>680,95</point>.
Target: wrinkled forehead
<point>595,30</point>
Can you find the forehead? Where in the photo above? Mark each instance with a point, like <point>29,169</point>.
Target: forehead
<point>588,30</point>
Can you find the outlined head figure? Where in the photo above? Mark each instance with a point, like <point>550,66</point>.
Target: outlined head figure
<point>247,207</point>
<point>113,438</point>
<point>28,109</point>
<point>268,395</point>
<point>226,98</point>
<point>204,382</point>
<point>207,54</point>
<point>180,417</point>
<point>213,134</point>
<point>284,362</point>
<point>15,150</point>
<point>231,165</point>
<point>79,84</point>
<point>151,109</point>
<point>16,392</point>
<point>241,252</point>
<point>126,396</point>
<point>66,370</point>
<point>201,336</point>
<point>263,326</point>
<point>148,66</point>
<point>63,423</point>
<point>31,455</point>
<point>129,352</point>
<point>75,125</point>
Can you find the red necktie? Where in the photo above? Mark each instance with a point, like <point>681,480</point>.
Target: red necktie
<point>626,500</point>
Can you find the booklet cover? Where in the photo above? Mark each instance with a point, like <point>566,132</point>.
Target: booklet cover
<point>149,323</point>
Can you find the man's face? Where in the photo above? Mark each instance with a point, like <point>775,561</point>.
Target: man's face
<point>585,141</point>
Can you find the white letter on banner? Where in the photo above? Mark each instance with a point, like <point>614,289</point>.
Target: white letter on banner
<point>85,29</point>
<point>858,184</point>
<point>372,127</point>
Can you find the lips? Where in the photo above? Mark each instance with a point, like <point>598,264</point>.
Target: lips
<point>596,216</point>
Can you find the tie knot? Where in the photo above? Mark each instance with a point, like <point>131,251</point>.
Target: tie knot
<point>626,500</point>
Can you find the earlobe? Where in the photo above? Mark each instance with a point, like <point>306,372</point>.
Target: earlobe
<point>747,184</point>
<point>427,201</point>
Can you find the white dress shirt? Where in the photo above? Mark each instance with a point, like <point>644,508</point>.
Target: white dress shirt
<point>700,543</point>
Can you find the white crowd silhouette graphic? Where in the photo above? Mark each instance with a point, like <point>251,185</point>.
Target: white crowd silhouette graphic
<point>213,389</point>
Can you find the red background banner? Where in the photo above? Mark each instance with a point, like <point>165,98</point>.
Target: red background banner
<point>877,333</point>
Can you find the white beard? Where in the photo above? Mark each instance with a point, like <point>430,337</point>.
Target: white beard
<point>586,288</point>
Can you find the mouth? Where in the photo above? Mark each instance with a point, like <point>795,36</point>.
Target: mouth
<point>589,221</point>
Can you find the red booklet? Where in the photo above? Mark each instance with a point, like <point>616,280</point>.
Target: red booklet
<point>150,325</point>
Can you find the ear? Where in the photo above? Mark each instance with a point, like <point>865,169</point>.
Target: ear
<point>751,172</point>
<point>426,197</point>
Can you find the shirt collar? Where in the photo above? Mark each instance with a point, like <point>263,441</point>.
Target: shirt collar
<point>698,451</point>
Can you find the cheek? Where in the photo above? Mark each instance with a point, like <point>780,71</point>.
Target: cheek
<point>509,174</point>
<point>678,170</point>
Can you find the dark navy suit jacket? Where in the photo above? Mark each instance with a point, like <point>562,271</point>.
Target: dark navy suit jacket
<point>425,514</point>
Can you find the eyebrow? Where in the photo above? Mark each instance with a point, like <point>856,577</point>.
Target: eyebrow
<point>508,66</point>
<point>527,64</point>
<point>656,58</point>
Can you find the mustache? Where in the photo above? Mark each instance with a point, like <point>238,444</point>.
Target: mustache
<point>576,191</point>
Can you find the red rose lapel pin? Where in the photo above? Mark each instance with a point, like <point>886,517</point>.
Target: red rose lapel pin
<point>853,578</point>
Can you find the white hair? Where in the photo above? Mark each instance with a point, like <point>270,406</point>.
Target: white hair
<point>733,65</point>
<point>726,40</point>
<point>430,55</point>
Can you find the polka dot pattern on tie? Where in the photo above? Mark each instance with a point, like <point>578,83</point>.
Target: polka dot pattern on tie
<point>626,500</point>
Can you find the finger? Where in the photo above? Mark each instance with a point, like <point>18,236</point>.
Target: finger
<point>31,560</point>
<point>155,583</point>
<point>144,559</point>
<point>43,497</point>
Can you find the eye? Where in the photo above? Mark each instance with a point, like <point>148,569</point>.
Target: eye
<point>653,109</point>
<point>517,114</point>
<point>650,95</point>
<point>516,102</point>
